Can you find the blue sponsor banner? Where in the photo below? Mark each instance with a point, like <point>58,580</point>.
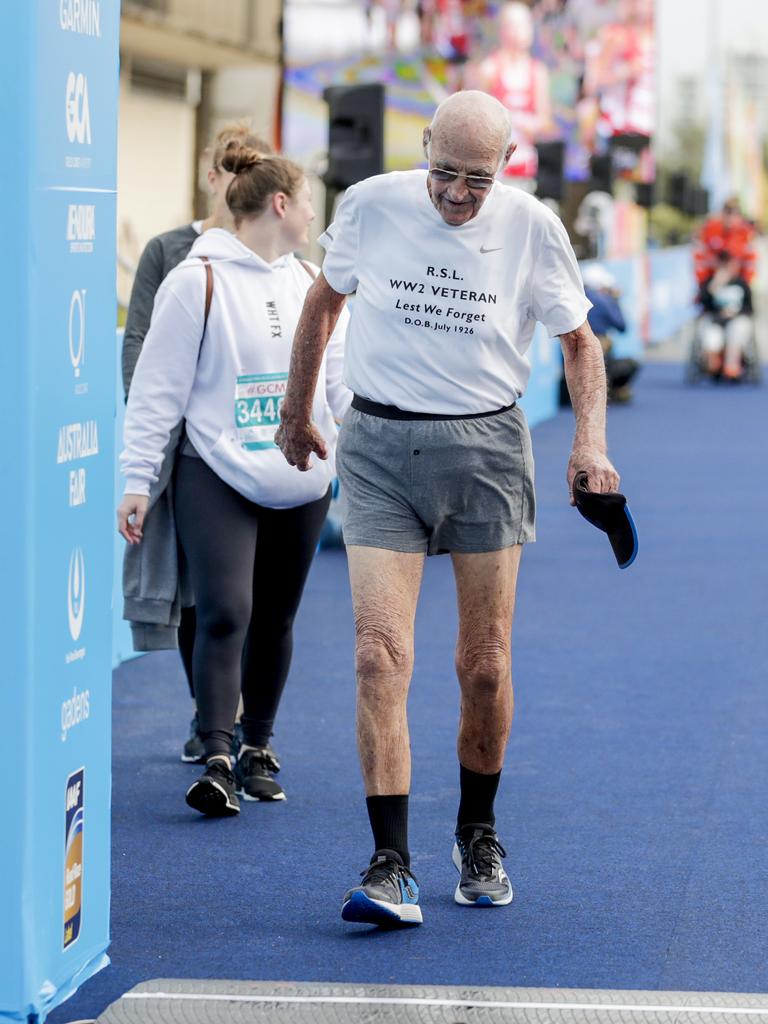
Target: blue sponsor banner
<point>60,64</point>
<point>540,400</point>
<point>673,291</point>
<point>658,289</point>
<point>630,276</point>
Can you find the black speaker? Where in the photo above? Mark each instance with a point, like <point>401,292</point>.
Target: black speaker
<point>630,141</point>
<point>549,177</point>
<point>355,133</point>
<point>696,201</point>
<point>677,191</point>
<point>645,194</point>
<point>601,173</point>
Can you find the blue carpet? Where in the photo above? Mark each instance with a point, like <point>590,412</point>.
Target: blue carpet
<point>633,805</point>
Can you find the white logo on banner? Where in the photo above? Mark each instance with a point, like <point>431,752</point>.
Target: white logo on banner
<point>75,710</point>
<point>76,593</point>
<point>81,227</point>
<point>77,441</point>
<point>81,16</point>
<point>77,330</point>
<point>78,115</point>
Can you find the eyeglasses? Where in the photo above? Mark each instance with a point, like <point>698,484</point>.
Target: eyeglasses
<point>474,181</point>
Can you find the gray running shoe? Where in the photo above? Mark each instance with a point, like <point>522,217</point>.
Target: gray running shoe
<point>477,855</point>
<point>255,772</point>
<point>388,896</point>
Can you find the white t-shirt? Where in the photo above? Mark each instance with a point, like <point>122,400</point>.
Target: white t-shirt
<point>443,315</point>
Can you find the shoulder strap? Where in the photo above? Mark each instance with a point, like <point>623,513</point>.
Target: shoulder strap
<point>308,269</point>
<point>208,297</point>
<point>208,289</point>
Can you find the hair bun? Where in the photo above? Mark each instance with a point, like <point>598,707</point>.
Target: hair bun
<point>239,158</point>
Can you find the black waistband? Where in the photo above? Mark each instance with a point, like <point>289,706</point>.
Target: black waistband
<point>391,412</point>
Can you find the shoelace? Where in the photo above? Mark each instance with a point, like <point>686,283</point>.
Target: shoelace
<point>218,767</point>
<point>480,852</point>
<point>265,757</point>
<point>385,870</point>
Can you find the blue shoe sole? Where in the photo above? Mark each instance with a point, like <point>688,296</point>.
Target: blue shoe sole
<point>361,909</point>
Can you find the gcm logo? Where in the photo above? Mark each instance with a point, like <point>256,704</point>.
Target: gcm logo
<point>76,593</point>
<point>78,116</point>
<point>77,329</point>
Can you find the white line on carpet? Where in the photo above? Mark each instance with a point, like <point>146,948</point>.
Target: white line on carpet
<point>222,997</point>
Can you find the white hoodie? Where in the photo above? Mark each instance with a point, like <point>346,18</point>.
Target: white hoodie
<point>229,394</point>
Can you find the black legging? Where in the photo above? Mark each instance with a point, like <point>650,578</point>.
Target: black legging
<point>248,565</point>
<point>187,643</point>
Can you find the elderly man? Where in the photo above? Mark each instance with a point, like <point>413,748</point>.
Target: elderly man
<point>451,270</point>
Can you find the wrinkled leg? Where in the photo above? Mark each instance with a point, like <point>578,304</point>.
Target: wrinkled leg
<point>385,589</point>
<point>485,585</point>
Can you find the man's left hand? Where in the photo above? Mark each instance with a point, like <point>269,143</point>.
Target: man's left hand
<point>601,476</point>
<point>297,437</point>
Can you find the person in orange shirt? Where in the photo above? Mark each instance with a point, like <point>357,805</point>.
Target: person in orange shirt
<point>727,232</point>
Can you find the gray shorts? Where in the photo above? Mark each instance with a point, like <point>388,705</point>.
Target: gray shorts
<point>436,486</point>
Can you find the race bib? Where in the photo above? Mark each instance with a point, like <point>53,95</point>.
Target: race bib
<point>258,397</point>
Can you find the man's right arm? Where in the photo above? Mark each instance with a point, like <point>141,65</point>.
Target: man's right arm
<point>149,277</point>
<point>297,437</point>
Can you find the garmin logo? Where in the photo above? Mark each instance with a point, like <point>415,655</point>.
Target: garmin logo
<point>80,16</point>
<point>77,112</point>
<point>76,594</point>
<point>77,331</point>
<point>75,710</point>
<point>81,227</point>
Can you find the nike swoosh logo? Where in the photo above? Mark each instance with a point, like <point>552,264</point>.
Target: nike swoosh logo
<point>497,249</point>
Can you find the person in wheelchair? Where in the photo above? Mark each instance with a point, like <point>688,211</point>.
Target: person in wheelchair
<point>725,325</point>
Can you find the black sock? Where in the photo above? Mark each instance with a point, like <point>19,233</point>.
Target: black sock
<point>388,816</point>
<point>477,795</point>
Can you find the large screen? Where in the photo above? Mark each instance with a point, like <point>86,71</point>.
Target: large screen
<point>576,72</point>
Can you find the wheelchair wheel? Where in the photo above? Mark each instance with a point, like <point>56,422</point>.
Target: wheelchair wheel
<point>694,368</point>
<point>753,370</point>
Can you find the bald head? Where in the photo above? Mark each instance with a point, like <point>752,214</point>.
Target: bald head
<point>469,138</point>
<point>474,117</point>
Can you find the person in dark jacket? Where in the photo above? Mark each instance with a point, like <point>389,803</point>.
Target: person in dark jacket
<point>151,571</point>
<point>606,315</point>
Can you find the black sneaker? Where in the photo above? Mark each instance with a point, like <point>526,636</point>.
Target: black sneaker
<point>194,751</point>
<point>389,894</point>
<point>477,855</point>
<point>255,772</point>
<point>214,792</point>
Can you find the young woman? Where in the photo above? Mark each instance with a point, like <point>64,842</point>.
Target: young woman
<point>248,523</point>
<point>143,589</point>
